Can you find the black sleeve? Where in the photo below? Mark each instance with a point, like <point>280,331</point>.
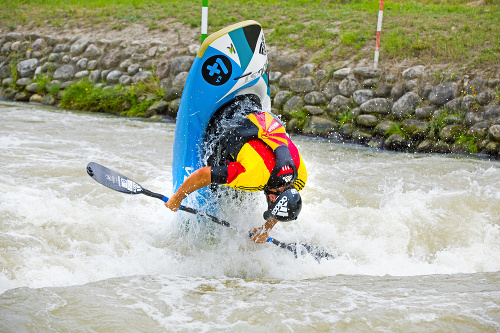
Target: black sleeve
<point>218,174</point>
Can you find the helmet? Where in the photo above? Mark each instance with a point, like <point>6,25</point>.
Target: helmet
<point>286,207</point>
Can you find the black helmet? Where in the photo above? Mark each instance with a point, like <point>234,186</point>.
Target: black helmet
<point>286,207</point>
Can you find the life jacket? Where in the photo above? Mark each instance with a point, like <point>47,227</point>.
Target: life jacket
<point>266,127</point>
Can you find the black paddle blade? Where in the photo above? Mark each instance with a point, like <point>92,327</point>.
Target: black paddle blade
<point>303,249</point>
<point>112,179</point>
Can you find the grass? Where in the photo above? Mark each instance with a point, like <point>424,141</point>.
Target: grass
<point>132,101</point>
<point>438,31</point>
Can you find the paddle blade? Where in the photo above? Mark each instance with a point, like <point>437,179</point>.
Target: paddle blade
<point>112,179</point>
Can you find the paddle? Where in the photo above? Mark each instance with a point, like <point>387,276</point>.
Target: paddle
<point>120,183</point>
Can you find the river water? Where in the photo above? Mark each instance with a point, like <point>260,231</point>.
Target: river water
<point>417,238</point>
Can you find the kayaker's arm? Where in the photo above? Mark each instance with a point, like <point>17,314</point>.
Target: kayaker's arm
<point>198,179</point>
<point>260,235</point>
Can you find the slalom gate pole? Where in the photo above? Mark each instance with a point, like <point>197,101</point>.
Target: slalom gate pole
<point>379,32</point>
<point>204,20</point>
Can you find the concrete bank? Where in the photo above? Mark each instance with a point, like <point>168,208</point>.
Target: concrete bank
<point>415,110</point>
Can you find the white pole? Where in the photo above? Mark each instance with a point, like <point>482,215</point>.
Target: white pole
<point>204,20</point>
<point>379,32</point>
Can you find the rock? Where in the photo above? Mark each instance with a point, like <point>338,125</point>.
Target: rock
<point>12,36</point>
<point>494,132</point>
<point>54,57</point>
<point>475,86</point>
<point>111,59</point>
<point>472,118</point>
<point>286,63</point>
<point>295,103</point>
<point>367,120</point>
<point>139,57</point>
<point>163,69</point>
<point>442,93</point>
<point>450,132</point>
<point>144,75</point>
<point>65,72</point>
<point>383,127</point>
<point>306,70</point>
<point>22,96</point>
<point>338,104</point>
<point>331,90</point>
<point>348,86</point>
<point>405,106</point>
<point>274,77</point>
<point>133,69</point>
<point>493,82</point>
<point>480,129</point>
<point>32,88</point>
<point>341,73</point>
<point>347,129</point>
<point>152,50</point>
<point>426,146</point>
<point>319,126</point>
<point>38,44</point>
<point>361,96</point>
<point>160,107</point>
<point>395,142</point>
<point>367,72</point>
<point>125,64</point>
<point>303,85</point>
<point>4,71</point>
<point>454,106</point>
<point>180,79</point>
<point>181,64</point>
<point>369,83</point>
<point>424,112</point>
<point>425,90</point>
<point>285,81</point>
<point>82,64</point>
<point>410,85</point>
<point>397,92</point>
<point>49,100</point>
<point>79,46</point>
<point>467,102</point>
<point>61,48</point>
<point>173,107</point>
<point>314,98</point>
<point>27,68</point>
<point>377,105</point>
<point>114,76</point>
<point>413,72</point>
<point>293,126</point>
<point>92,52</point>
<point>491,111</point>
<point>416,129</point>
<point>125,80</point>
<point>172,93</point>
<point>95,76</point>
<point>485,97</point>
<point>361,136</point>
<point>281,98</point>
<point>23,82</point>
<point>36,98</point>
<point>66,59</point>
<point>314,110</point>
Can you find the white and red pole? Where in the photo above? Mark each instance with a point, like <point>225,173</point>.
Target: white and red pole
<point>379,32</point>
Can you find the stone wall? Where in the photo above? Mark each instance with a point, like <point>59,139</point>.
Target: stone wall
<point>415,110</point>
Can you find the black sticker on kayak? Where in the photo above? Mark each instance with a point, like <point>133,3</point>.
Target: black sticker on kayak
<point>216,70</point>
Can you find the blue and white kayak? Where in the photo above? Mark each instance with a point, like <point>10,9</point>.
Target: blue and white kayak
<point>231,62</point>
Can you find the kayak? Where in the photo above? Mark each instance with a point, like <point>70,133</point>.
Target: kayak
<point>231,63</point>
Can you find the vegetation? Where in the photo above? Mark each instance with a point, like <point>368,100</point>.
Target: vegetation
<point>438,31</point>
<point>132,101</point>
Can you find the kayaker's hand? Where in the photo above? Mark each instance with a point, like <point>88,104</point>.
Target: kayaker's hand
<point>173,203</point>
<point>258,235</point>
